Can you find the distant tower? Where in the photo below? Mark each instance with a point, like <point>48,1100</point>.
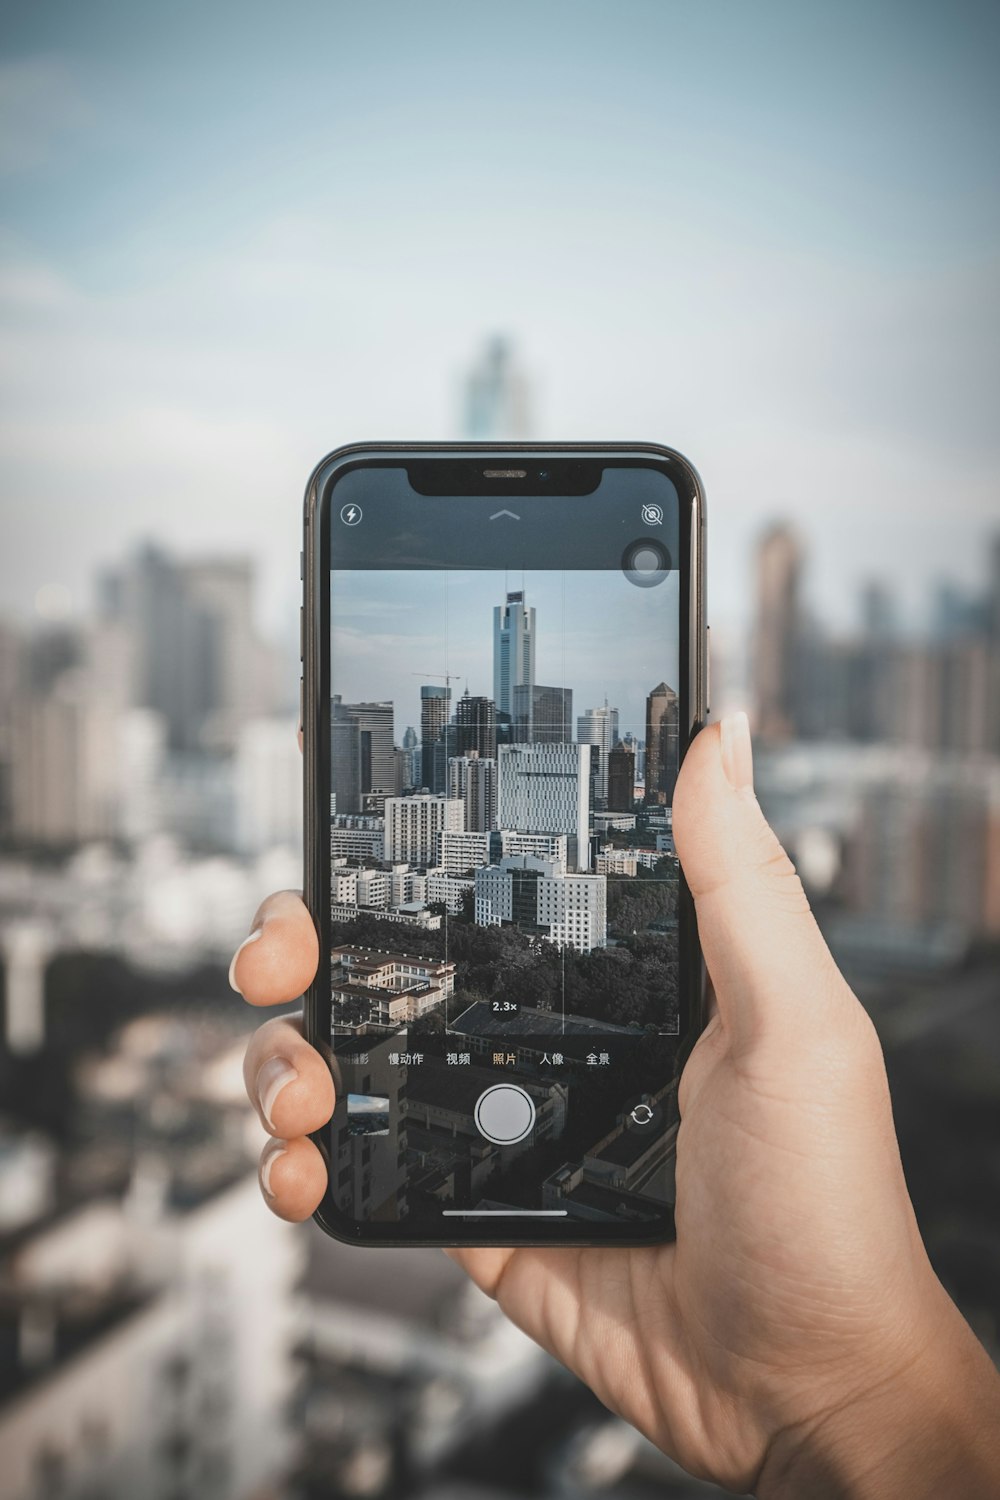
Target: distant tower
<point>435,704</point>
<point>414,761</point>
<point>878,614</point>
<point>599,726</point>
<point>542,715</point>
<point>662,744</point>
<point>197,659</point>
<point>495,397</point>
<point>621,779</point>
<point>345,759</point>
<point>777,633</point>
<point>475,726</point>
<point>375,727</point>
<point>993,590</point>
<point>513,650</point>
<point>473,780</point>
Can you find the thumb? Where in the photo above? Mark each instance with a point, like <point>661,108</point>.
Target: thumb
<point>770,968</point>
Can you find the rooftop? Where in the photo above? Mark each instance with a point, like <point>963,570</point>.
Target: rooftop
<point>378,958</point>
<point>351,990</point>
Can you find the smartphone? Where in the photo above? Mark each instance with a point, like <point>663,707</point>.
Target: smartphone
<point>504,660</point>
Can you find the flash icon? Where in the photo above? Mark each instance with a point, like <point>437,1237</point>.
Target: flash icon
<point>351,515</point>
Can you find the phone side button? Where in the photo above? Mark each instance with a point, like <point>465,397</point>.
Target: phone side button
<point>708,670</point>
<point>301,706</point>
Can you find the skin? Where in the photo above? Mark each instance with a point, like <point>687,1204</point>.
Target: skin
<point>795,1339</point>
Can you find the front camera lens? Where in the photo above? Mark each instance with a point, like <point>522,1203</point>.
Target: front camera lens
<point>543,474</point>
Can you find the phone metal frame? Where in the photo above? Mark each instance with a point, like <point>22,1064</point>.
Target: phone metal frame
<point>315,728</point>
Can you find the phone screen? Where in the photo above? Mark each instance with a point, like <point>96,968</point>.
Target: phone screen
<point>506,711</point>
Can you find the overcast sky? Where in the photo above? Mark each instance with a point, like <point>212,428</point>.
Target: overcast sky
<point>594,632</point>
<point>234,236</point>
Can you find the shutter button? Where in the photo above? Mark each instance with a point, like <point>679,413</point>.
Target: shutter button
<point>505,1114</point>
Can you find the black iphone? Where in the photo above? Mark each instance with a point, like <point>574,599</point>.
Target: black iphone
<point>504,660</point>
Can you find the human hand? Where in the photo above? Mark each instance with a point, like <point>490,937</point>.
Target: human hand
<point>794,1340</point>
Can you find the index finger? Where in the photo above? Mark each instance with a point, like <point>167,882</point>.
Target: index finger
<point>277,962</point>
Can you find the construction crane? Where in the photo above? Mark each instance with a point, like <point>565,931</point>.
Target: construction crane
<point>446,677</point>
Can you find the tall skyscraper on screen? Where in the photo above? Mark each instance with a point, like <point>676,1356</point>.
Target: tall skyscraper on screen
<point>662,744</point>
<point>599,726</point>
<point>475,727</point>
<point>513,650</point>
<point>435,706</point>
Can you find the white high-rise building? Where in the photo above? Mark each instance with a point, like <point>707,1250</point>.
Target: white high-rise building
<point>611,861</point>
<point>474,780</point>
<point>546,789</point>
<point>459,852</point>
<point>343,886</point>
<point>373,887</point>
<point>550,846</point>
<point>599,726</point>
<point>450,889</point>
<point>509,887</point>
<point>412,826</point>
<point>568,910</point>
<point>575,910</point>
<point>513,649</point>
<point>357,837</point>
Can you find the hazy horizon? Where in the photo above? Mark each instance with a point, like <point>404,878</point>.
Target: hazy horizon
<point>765,235</point>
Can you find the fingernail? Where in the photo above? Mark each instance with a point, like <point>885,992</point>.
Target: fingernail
<point>271,1079</point>
<point>232,967</point>
<point>737,752</point>
<point>268,1157</point>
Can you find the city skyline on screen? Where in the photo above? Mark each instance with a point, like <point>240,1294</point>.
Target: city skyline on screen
<point>395,630</point>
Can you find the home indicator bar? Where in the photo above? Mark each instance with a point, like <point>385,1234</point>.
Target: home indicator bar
<point>504,1213</point>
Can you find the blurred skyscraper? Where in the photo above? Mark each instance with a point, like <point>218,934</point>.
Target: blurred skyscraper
<point>936,690</point>
<point>496,399</point>
<point>197,658</point>
<point>894,809</point>
<point>777,639</point>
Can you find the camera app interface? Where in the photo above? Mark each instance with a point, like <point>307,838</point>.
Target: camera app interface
<point>504,719</point>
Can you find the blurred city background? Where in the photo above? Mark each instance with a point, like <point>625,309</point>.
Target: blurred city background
<point>231,239</point>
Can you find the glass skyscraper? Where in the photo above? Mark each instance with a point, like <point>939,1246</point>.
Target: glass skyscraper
<point>513,650</point>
